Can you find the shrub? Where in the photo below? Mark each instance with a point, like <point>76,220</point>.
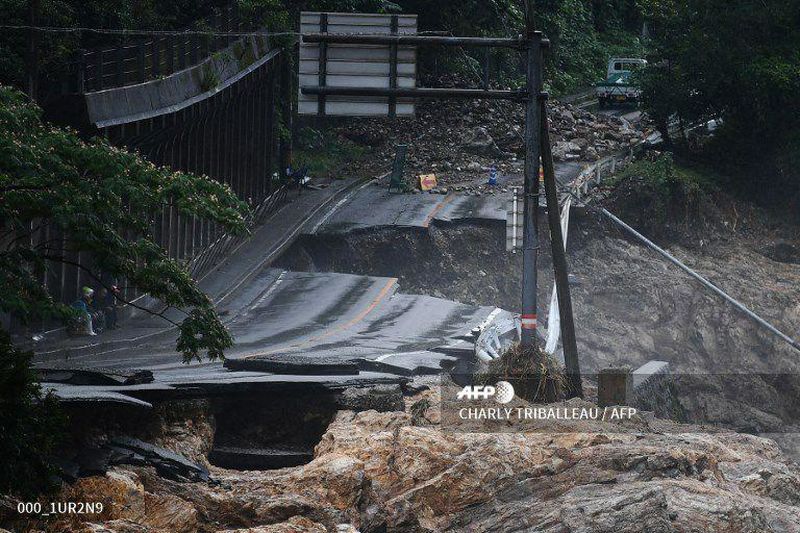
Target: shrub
<point>30,425</point>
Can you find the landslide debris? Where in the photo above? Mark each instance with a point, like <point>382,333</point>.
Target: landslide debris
<point>399,471</point>
<point>460,140</point>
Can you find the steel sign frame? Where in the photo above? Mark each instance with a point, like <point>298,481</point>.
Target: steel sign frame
<point>355,66</point>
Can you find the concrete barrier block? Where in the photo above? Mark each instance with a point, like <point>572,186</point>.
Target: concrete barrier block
<point>654,391</point>
<point>614,386</point>
<point>651,370</point>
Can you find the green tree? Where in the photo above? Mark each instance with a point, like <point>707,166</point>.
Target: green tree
<point>104,199</point>
<point>738,61</point>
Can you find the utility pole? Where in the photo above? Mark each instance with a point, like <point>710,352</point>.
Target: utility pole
<point>530,236</point>
<point>568,341</point>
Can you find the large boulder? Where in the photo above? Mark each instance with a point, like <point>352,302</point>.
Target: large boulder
<point>480,142</point>
<point>566,151</point>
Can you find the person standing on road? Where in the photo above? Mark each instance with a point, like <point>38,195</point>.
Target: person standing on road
<point>107,303</point>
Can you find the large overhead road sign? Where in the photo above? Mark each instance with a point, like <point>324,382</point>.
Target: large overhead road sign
<point>356,65</point>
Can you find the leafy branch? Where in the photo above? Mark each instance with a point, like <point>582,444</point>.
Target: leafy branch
<point>104,201</point>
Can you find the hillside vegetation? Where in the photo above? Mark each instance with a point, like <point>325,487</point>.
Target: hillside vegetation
<point>738,62</point>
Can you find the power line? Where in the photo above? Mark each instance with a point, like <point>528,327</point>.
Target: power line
<point>178,33</point>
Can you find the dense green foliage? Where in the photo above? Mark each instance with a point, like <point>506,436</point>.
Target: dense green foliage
<point>584,39</point>
<point>665,179</point>
<point>105,199</point>
<point>30,425</point>
<point>583,36</point>
<point>736,61</point>
<point>665,198</point>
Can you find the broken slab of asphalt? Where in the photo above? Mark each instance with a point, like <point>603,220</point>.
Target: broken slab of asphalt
<point>76,375</point>
<point>299,365</point>
<point>169,464</point>
<point>222,383</point>
<point>375,207</point>
<point>418,363</point>
<point>415,363</point>
<point>90,461</point>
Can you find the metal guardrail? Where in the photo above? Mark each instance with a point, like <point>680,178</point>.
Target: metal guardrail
<point>602,168</point>
<point>205,261</point>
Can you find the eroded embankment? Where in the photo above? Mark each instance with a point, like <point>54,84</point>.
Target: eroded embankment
<point>630,305</point>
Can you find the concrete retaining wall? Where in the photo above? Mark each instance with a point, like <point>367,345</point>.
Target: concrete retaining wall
<point>111,107</point>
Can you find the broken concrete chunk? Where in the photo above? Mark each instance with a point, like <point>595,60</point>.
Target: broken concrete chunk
<point>168,464</point>
<point>127,451</point>
<point>381,398</point>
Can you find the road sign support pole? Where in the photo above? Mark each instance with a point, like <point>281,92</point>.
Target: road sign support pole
<point>323,63</point>
<point>530,237</point>
<point>568,341</point>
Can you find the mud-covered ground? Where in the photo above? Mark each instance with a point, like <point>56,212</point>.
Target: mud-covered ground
<point>631,305</point>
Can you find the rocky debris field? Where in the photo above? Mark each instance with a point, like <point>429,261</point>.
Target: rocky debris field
<point>460,141</point>
<point>400,471</point>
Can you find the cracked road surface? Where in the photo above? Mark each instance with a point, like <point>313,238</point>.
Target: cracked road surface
<point>296,327</point>
<point>300,327</point>
<point>374,206</point>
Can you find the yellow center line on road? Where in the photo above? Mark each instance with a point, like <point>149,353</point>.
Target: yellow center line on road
<point>436,209</point>
<point>358,318</point>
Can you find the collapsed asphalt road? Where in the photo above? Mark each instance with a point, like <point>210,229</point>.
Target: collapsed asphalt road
<point>330,328</point>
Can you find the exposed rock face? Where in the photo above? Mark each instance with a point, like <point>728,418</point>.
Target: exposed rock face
<point>296,524</point>
<point>188,430</point>
<point>637,481</point>
<point>403,472</point>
